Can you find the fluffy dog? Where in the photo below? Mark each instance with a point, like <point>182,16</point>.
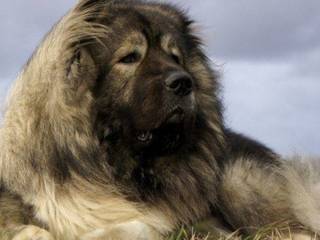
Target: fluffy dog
<point>114,130</point>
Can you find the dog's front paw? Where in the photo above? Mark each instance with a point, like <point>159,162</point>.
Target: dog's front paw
<point>31,232</point>
<point>134,230</point>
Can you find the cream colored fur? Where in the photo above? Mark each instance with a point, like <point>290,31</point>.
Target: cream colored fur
<point>290,191</point>
<point>303,177</point>
<point>76,213</point>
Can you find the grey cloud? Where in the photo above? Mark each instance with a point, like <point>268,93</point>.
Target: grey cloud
<point>23,24</point>
<point>269,102</point>
<point>308,64</point>
<point>257,29</point>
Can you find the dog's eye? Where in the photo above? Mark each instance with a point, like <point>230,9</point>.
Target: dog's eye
<point>130,58</point>
<point>175,58</point>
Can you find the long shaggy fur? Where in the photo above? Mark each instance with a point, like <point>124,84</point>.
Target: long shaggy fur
<point>271,194</point>
<point>61,176</point>
<point>302,176</point>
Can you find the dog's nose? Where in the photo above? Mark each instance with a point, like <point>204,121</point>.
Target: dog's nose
<point>180,83</point>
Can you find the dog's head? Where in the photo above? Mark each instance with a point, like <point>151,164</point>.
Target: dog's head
<point>152,77</point>
<point>115,80</point>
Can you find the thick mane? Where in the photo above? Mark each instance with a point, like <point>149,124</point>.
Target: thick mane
<point>50,102</point>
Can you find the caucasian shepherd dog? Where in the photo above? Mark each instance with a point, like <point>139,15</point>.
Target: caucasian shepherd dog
<point>114,130</point>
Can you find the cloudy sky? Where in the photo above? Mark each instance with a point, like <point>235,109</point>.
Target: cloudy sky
<point>267,51</point>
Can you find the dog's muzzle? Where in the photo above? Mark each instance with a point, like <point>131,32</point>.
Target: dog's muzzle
<point>179,83</point>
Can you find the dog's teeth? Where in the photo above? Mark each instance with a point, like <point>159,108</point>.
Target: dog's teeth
<point>145,137</point>
<point>107,133</point>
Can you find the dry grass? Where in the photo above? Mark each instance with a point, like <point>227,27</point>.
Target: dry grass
<point>271,232</point>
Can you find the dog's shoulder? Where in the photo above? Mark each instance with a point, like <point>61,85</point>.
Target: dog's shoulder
<point>240,146</point>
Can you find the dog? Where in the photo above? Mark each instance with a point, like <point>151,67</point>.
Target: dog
<point>114,130</point>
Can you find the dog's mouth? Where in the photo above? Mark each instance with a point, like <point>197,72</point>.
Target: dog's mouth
<point>164,138</point>
<point>175,117</point>
<point>167,137</point>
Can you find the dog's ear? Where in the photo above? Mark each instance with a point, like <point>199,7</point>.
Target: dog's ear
<point>80,33</point>
<point>82,72</point>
